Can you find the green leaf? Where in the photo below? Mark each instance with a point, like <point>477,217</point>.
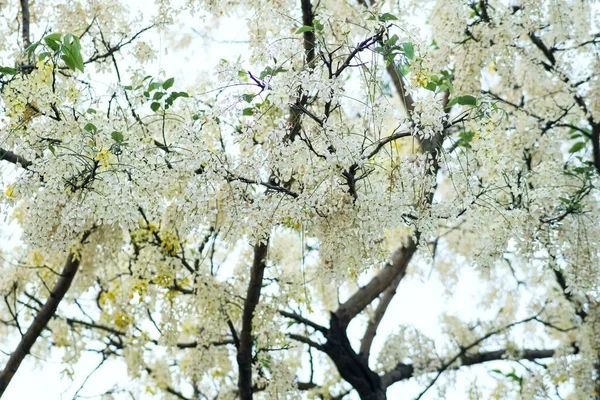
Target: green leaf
<point>409,50</point>
<point>52,149</point>
<point>7,71</point>
<point>71,50</point>
<point>387,17</point>
<point>168,83</point>
<point>90,127</point>
<point>465,139</point>
<point>278,70</point>
<point>392,41</point>
<point>117,136</point>
<point>431,86</point>
<point>91,111</point>
<point>403,69</point>
<point>249,111</point>
<point>68,59</point>
<point>305,28</point>
<point>154,86</point>
<point>576,147</point>
<point>266,72</point>
<point>154,106</point>
<point>54,36</point>
<point>31,48</point>
<point>53,44</point>
<point>466,100</point>
<point>158,95</point>
<point>318,25</point>
<point>248,98</point>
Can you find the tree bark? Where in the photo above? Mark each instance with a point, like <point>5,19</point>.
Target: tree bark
<point>351,366</point>
<point>25,18</point>
<point>244,353</point>
<point>16,159</point>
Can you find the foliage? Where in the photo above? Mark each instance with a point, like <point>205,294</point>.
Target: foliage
<point>244,234</point>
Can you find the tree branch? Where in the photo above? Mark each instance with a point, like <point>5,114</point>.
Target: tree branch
<point>41,319</point>
<point>405,371</point>
<point>11,157</point>
<point>305,340</point>
<point>244,354</point>
<point>304,321</point>
<point>405,97</point>
<point>365,295</point>
<point>464,349</point>
<point>25,23</point>
<point>371,331</point>
<point>294,121</point>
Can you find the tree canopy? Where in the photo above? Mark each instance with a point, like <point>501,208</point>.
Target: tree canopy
<point>242,233</point>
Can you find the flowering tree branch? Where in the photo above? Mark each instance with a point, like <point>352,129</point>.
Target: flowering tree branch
<point>405,371</point>
<point>380,282</point>
<point>42,318</point>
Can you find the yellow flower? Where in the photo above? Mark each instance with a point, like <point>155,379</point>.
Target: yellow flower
<point>104,157</point>
<point>122,320</point>
<point>420,79</point>
<point>36,258</point>
<point>76,251</point>
<point>10,192</point>
<point>169,242</point>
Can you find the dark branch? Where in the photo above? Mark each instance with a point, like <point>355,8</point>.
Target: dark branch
<point>11,157</point>
<point>41,319</point>
<point>406,371</point>
<point>304,321</point>
<point>365,295</point>
<point>25,23</point>
<point>244,354</point>
<point>384,302</point>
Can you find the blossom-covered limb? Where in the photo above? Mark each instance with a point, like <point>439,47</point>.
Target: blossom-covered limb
<point>464,349</point>
<point>366,294</point>
<point>294,121</point>
<point>405,371</point>
<point>42,318</point>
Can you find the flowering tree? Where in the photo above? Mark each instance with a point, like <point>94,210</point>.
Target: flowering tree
<point>244,236</point>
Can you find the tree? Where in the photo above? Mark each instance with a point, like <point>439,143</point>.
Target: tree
<point>245,237</point>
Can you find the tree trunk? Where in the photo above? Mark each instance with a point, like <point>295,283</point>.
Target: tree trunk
<point>351,366</point>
